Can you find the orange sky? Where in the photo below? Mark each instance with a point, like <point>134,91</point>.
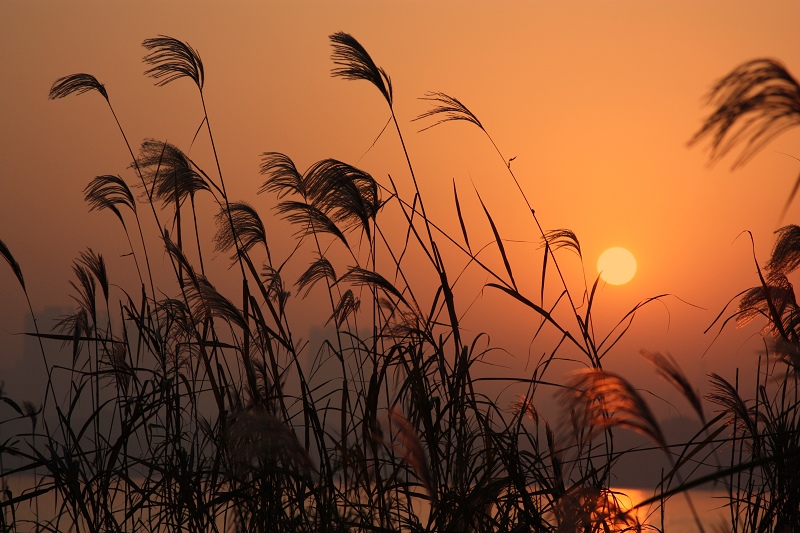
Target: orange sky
<point>595,100</point>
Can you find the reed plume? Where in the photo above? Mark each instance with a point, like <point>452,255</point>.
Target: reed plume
<point>754,103</point>
<point>171,59</point>
<point>354,63</point>
<point>76,84</point>
<point>599,399</point>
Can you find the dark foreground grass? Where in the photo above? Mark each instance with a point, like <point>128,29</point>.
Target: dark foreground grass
<point>187,409</point>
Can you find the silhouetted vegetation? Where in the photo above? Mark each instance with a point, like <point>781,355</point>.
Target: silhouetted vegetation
<point>190,408</point>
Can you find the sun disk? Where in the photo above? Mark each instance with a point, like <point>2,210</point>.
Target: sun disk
<point>616,266</point>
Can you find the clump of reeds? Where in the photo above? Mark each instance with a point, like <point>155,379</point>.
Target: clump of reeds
<point>754,103</point>
<point>188,405</point>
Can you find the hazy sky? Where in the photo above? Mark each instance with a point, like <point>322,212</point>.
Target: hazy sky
<point>595,100</point>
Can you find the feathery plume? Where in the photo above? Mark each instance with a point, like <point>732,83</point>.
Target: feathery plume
<point>348,304</point>
<point>168,172</point>
<point>354,63</point>
<point>562,238</point>
<point>668,369</point>
<point>317,271</point>
<point>171,59</point>
<point>282,175</point>
<point>785,256</point>
<point>240,221</point>
<point>602,399</point>
<point>76,84</point>
<point>448,108</point>
<point>413,451</point>
<point>108,192</point>
<point>754,103</point>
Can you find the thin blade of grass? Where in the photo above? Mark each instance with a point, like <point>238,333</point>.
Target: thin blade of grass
<point>499,242</point>
<point>6,253</point>
<point>461,217</point>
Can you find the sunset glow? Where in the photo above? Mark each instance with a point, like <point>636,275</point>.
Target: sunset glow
<point>331,266</point>
<point>616,266</point>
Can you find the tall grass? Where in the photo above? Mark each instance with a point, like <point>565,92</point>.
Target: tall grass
<point>755,102</point>
<point>185,407</point>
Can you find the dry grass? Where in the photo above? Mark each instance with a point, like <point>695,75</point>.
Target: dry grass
<point>188,407</point>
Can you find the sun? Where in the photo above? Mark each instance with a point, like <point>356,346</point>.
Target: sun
<point>616,266</point>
